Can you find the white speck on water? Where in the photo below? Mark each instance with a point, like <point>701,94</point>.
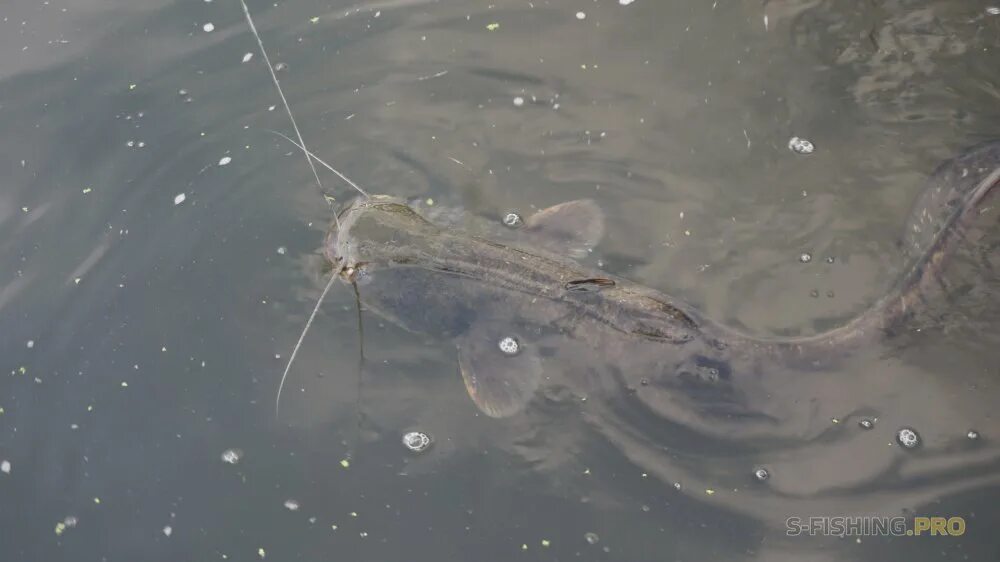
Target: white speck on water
<point>247,57</point>
<point>761,474</point>
<point>592,538</point>
<point>805,257</point>
<point>518,101</point>
<point>140,144</point>
<point>130,143</point>
<point>972,434</point>
<point>31,344</point>
<point>209,27</point>
<point>282,250</point>
<point>5,467</point>
<point>179,198</point>
<point>800,145</point>
<point>765,22</point>
<point>182,92</point>
<point>581,15</point>
<point>232,456</point>
<point>261,553</point>
<point>168,530</point>
<point>993,10</point>
<point>225,160</point>
<point>291,505</point>
<point>625,2</point>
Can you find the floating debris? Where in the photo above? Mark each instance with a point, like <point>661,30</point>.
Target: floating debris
<point>182,92</point>
<point>5,467</point>
<point>278,67</point>
<point>179,198</point>
<point>513,220</point>
<point>225,160</point>
<point>805,257</point>
<point>761,474</point>
<point>866,423</point>
<point>493,26</point>
<point>291,505</point>
<point>972,434</point>
<point>282,250</point>
<point>208,27</point>
<point>908,438</point>
<point>168,530</point>
<point>625,2</point>
<point>509,346</point>
<point>581,15</point>
<point>518,101</point>
<point>800,145</point>
<point>261,553</point>
<point>417,441</point>
<point>993,10</point>
<point>830,259</point>
<point>30,344</point>
<point>232,456</point>
<point>591,538</point>
<point>247,57</point>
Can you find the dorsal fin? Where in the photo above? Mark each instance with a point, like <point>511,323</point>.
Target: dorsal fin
<point>571,228</point>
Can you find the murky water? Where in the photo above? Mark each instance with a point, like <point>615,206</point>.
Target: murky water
<point>159,255</point>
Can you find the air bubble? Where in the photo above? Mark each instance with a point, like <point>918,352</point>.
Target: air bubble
<point>800,145</point>
<point>805,257</point>
<point>908,438</point>
<point>417,441</point>
<point>761,474</point>
<point>513,220</point>
<point>509,346</point>
<point>591,538</point>
<point>232,456</point>
<point>972,434</point>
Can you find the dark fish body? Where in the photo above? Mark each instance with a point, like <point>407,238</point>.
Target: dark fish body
<point>476,291</point>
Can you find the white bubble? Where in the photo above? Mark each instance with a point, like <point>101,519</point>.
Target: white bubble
<point>225,160</point>
<point>5,467</point>
<point>518,101</point>
<point>179,198</point>
<point>993,10</point>
<point>232,456</point>
<point>513,220</point>
<point>509,345</point>
<point>908,438</point>
<point>31,344</point>
<point>800,145</point>
<point>282,250</point>
<point>417,441</point>
<point>581,15</point>
<point>168,530</point>
<point>625,2</point>
<point>247,57</point>
<point>209,27</point>
<point>291,505</point>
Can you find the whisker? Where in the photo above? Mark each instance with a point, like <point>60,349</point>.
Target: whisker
<point>298,344</point>
<point>320,160</point>
<point>284,101</point>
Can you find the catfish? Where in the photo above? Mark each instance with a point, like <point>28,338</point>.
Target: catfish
<point>511,306</point>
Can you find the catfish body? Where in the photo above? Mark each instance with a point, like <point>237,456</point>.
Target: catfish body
<point>568,319</point>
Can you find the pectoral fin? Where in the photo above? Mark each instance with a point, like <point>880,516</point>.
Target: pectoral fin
<point>499,382</point>
<point>570,228</point>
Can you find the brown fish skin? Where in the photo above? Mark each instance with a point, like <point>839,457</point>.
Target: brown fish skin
<point>443,281</point>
